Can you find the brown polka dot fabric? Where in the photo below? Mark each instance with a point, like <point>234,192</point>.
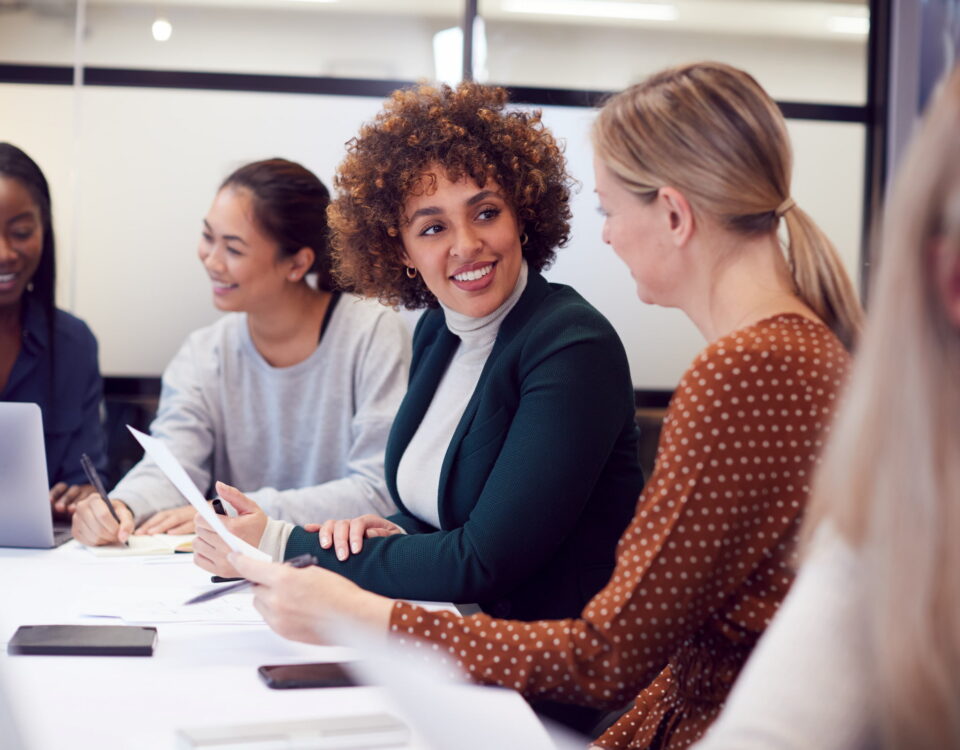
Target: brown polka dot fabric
<point>705,562</point>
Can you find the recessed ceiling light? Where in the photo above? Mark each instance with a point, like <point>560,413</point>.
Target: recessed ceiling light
<point>598,9</point>
<point>849,25</point>
<point>162,29</point>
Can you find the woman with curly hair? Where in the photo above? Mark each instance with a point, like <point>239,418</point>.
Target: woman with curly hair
<point>693,176</point>
<point>513,457</point>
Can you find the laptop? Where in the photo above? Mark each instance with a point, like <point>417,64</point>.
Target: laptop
<point>24,494</point>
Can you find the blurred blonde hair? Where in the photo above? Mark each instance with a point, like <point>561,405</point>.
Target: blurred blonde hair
<point>890,480</point>
<point>710,131</point>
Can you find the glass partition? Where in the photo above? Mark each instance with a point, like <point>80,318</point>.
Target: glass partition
<point>799,50</point>
<point>338,38</point>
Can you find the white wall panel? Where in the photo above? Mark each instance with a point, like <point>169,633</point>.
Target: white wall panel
<point>150,161</point>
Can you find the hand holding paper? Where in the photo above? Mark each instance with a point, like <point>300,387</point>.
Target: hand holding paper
<point>210,551</point>
<point>172,469</point>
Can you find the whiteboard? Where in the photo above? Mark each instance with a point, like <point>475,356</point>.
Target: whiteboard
<point>133,172</point>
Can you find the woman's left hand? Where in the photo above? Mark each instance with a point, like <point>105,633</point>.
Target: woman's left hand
<point>347,535</point>
<point>64,497</point>
<point>296,602</point>
<point>209,550</point>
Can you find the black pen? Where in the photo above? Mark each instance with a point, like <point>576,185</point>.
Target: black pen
<point>300,561</point>
<point>217,504</point>
<point>94,478</point>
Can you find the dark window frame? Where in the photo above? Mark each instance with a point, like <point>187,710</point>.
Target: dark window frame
<point>873,114</point>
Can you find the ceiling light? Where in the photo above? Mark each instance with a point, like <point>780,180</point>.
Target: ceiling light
<point>162,29</point>
<point>849,25</point>
<point>448,54</point>
<point>598,9</point>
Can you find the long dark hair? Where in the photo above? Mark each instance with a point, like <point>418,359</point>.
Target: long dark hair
<point>290,204</point>
<point>15,164</point>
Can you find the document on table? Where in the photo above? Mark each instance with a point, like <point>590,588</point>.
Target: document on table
<point>434,697</point>
<point>160,605</point>
<point>172,469</point>
<point>155,544</point>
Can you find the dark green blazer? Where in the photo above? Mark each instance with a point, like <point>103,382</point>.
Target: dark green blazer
<point>539,480</point>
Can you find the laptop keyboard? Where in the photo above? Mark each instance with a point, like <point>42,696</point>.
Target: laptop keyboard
<point>61,534</point>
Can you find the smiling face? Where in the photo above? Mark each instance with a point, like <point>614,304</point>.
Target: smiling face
<point>464,241</point>
<point>244,264</point>
<point>21,240</point>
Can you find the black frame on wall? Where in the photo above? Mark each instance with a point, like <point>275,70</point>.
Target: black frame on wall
<point>873,114</point>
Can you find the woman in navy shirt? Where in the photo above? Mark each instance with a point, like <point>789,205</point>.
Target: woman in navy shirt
<point>47,356</point>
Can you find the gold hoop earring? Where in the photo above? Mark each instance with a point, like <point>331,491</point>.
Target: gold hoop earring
<point>524,238</point>
<point>411,272</point>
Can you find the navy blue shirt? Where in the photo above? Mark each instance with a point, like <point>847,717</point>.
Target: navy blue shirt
<point>69,393</point>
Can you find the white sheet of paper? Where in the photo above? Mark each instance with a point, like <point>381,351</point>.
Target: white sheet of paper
<point>175,473</point>
<point>165,604</point>
<point>435,698</point>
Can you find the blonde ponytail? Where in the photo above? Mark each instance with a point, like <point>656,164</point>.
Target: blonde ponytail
<point>820,278</point>
<point>711,131</point>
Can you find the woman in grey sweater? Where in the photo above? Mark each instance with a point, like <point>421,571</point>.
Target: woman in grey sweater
<point>292,393</point>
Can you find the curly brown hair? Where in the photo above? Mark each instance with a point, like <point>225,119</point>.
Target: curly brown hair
<point>469,132</point>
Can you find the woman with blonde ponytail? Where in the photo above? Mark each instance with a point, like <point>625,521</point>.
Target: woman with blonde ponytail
<point>709,131</point>
<point>865,652</point>
<point>693,176</point>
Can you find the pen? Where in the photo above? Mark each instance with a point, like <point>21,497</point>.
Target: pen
<point>94,477</point>
<point>217,504</point>
<point>300,561</point>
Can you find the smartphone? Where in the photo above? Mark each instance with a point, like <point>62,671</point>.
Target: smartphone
<point>323,674</point>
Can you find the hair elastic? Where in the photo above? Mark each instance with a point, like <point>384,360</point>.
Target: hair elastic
<point>784,207</point>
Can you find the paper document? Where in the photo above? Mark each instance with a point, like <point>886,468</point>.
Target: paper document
<point>155,544</point>
<point>165,604</point>
<point>169,465</point>
<point>435,698</point>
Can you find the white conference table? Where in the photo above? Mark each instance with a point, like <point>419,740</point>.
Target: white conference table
<point>201,674</point>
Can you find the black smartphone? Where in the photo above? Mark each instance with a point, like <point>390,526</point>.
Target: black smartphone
<point>323,674</point>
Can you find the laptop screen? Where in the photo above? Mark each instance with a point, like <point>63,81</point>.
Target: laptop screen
<point>24,495</point>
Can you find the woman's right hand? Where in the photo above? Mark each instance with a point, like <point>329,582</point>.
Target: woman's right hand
<point>209,549</point>
<point>170,521</point>
<point>297,602</point>
<point>93,525</point>
<point>346,536</point>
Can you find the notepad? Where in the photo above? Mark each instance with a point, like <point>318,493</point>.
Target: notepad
<point>83,640</point>
<point>156,544</point>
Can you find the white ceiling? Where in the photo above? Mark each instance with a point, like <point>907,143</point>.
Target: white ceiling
<point>834,20</point>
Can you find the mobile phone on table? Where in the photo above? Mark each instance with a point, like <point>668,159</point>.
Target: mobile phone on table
<point>321,674</point>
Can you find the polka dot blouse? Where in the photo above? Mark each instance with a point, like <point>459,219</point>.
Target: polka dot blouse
<point>705,561</point>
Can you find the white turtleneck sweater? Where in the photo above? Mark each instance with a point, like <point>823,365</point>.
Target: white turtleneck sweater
<point>418,475</point>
